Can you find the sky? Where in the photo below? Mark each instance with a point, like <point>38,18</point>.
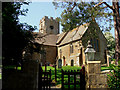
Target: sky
<point>37,10</point>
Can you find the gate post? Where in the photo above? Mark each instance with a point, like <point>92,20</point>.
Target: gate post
<point>55,73</point>
<point>40,78</point>
<point>93,69</point>
<point>62,79</point>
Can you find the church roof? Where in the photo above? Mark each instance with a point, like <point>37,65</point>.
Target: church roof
<point>46,39</point>
<point>63,38</point>
<point>73,35</point>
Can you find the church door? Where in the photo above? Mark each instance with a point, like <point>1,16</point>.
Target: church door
<point>72,62</point>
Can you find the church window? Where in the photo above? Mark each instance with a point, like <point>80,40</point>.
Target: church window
<point>71,48</point>
<point>95,43</point>
<point>60,53</point>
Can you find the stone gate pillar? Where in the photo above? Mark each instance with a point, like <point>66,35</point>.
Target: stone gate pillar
<point>30,69</point>
<point>93,69</point>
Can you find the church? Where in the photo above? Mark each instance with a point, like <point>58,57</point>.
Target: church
<point>68,48</point>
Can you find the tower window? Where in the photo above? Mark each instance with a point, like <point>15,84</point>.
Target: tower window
<point>51,27</point>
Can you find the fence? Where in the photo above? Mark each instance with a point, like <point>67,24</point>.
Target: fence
<point>70,73</point>
<point>44,79</point>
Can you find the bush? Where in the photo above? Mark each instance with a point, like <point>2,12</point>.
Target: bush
<point>114,77</point>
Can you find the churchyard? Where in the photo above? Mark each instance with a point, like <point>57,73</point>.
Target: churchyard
<point>58,83</point>
<point>29,74</point>
<point>65,68</point>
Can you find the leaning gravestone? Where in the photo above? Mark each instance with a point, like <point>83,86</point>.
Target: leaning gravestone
<point>59,63</point>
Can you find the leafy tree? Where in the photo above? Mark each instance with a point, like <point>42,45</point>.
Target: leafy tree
<point>82,12</point>
<point>110,43</point>
<point>76,14</point>
<point>15,35</point>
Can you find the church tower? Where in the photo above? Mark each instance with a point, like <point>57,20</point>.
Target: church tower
<point>49,26</point>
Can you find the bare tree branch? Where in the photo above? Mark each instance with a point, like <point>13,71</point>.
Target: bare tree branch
<point>98,4</point>
<point>108,5</point>
<point>73,6</point>
<point>105,4</point>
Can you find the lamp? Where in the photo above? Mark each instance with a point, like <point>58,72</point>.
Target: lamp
<point>89,52</point>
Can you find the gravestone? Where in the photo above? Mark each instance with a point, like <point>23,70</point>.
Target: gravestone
<point>59,63</point>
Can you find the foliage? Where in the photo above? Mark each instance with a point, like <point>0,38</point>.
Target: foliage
<point>12,67</point>
<point>104,68</point>
<point>0,76</point>
<point>114,77</point>
<point>98,12</point>
<point>110,43</point>
<point>78,13</point>
<point>16,35</point>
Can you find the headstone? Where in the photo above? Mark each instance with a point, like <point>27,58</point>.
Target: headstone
<point>59,63</point>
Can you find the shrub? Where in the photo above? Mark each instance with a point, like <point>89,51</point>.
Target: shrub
<point>114,77</point>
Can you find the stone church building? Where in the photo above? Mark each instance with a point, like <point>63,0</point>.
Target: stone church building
<point>68,48</point>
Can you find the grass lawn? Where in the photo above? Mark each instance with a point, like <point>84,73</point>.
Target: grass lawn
<point>0,76</point>
<point>66,77</point>
<point>59,74</point>
<point>12,67</point>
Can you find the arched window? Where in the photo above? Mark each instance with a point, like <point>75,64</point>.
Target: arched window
<point>59,63</point>
<point>60,53</point>
<point>95,43</point>
<point>71,48</point>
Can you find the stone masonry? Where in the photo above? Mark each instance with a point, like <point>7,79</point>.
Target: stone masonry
<point>96,79</point>
<point>49,26</point>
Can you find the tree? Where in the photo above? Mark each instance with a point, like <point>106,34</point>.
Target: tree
<point>110,43</point>
<point>94,11</point>
<point>76,14</point>
<point>116,16</point>
<point>15,35</point>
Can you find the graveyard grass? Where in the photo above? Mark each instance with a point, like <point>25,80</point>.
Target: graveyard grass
<point>58,83</point>
<point>0,76</point>
<point>59,74</point>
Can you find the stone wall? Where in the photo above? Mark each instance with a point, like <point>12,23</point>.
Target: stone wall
<point>46,23</point>
<point>65,51</point>
<point>51,54</point>
<point>97,34</point>
<point>96,79</point>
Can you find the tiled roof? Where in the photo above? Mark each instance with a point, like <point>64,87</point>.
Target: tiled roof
<point>46,39</point>
<point>60,39</point>
<point>74,34</point>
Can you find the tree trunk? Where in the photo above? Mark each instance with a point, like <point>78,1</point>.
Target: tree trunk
<point>116,17</point>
